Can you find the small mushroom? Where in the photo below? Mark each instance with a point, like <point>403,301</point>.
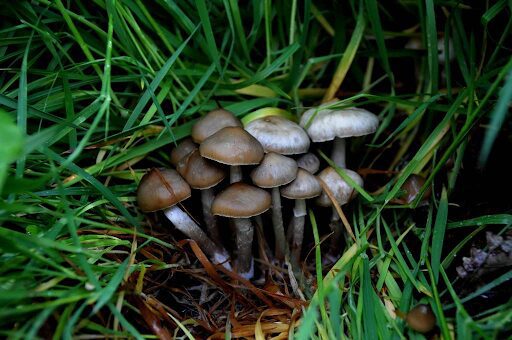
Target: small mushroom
<point>232,146</point>
<point>242,201</point>
<point>304,186</point>
<point>415,43</point>
<point>279,135</point>
<point>276,170</point>
<point>163,189</point>
<point>336,125</point>
<point>212,122</point>
<point>342,192</point>
<point>185,147</point>
<point>411,188</point>
<point>421,318</point>
<point>203,174</point>
<point>309,162</point>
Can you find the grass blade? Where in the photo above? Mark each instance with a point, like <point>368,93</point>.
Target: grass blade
<point>433,64</point>
<point>438,234</point>
<point>497,119</point>
<point>106,293</point>
<point>346,60</point>
<point>156,82</point>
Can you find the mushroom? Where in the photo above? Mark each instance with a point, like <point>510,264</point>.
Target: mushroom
<point>336,125</point>
<point>163,189</point>
<point>185,147</point>
<point>212,122</point>
<point>420,318</point>
<point>415,43</point>
<point>242,201</point>
<point>280,135</point>
<point>342,192</point>
<point>233,146</point>
<point>309,162</point>
<point>276,170</point>
<point>410,190</point>
<point>203,174</point>
<point>304,186</point>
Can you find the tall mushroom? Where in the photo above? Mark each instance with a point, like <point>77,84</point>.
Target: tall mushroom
<point>304,186</point>
<point>311,164</point>
<point>232,146</point>
<point>326,124</point>
<point>163,189</point>
<point>242,201</point>
<point>203,174</point>
<point>282,136</point>
<point>274,171</point>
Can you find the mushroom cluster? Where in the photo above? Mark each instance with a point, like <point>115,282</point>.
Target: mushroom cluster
<point>275,153</point>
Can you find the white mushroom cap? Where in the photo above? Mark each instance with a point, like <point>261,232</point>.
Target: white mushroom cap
<point>328,124</point>
<point>280,135</point>
<point>341,190</point>
<point>309,162</point>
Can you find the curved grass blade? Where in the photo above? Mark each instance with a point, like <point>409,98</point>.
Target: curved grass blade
<point>156,82</point>
<point>106,293</point>
<point>497,119</point>
<point>438,234</point>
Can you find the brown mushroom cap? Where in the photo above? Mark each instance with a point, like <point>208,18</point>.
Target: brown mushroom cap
<point>278,134</point>
<point>304,186</point>
<point>185,147</point>
<point>412,187</point>
<point>341,190</point>
<point>241,200</point>
<point>421,318</point>
<point>275,170</point>
<point>232,146</point>
<point>160,189</point>
<point>212,122</point>
<point>199,172</point>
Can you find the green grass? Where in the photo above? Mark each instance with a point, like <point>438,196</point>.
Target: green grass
<point>92,94</point>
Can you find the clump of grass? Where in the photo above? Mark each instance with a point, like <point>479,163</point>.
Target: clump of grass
<point>94,93</point>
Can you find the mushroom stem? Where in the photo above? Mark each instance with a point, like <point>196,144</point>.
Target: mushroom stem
<point>334,215</point>
<point>244,237</point>
<point>235,175</point>
<point>187,226</point>
<point>336,236</point>
<point>298,211</point>
<point>277,221</point>
<point>297,227</point>
<point>300,208</point>
<point>338,152</point>
<point>210,220</point>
